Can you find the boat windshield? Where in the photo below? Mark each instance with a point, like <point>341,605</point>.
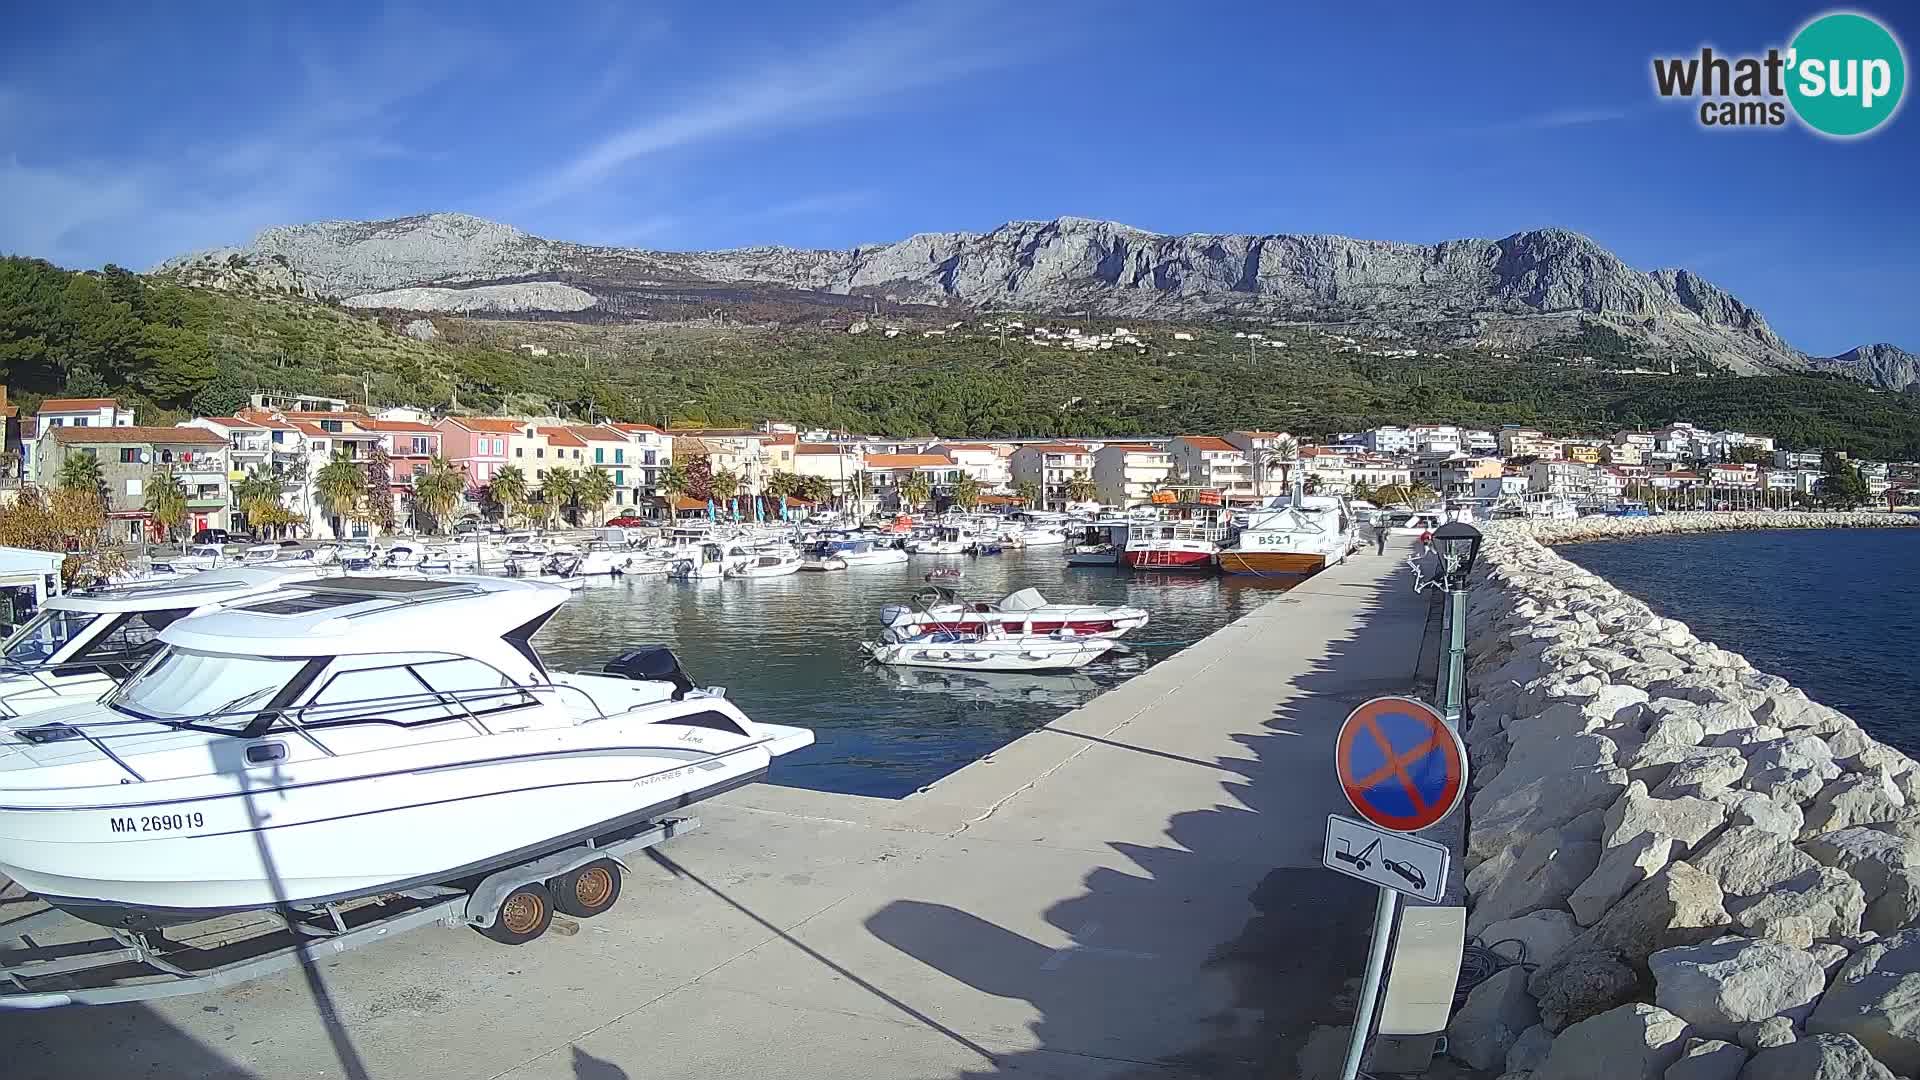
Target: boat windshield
<point>216,690</point>
<point>46,634</point>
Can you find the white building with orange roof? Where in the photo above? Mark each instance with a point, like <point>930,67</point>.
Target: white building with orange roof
<point>1053,467</point>
<point>987,463</point>
<point>649,454</point>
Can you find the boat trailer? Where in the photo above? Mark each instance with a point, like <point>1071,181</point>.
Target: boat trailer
<point>47,960</point>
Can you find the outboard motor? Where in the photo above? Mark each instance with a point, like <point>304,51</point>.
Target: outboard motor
<point>651,663</point>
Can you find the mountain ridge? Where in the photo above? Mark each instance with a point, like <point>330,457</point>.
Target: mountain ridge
<point>1512,289</point>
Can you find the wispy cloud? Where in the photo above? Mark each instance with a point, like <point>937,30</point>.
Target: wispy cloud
<point>1565,118</point>
<point>856,71</point>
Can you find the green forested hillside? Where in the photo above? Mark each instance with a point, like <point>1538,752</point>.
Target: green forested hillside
<point>174,350</point>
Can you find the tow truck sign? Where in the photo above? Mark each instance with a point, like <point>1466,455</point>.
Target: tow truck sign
<point>1391,860</point>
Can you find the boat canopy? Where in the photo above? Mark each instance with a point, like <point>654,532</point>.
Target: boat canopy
<point>1024,600</point>
<point>358,615</point>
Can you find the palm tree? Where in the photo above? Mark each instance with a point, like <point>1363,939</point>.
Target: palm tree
<point>1285,453</point>
<point>1361,491</point>
<point>341,486</point>
<point>966,492</point>
<point>859,486</point>
<point>596,487</point>
<point>1421,491</point>
<point>726,485</point>
<point>166,500</point>
<point>80,471</point>
<point>560,489</point>
<point>675,481</point>
<point>1081,488</point>
<point>916,490</point>
<point>261,483</point>
<point>509,487</point>
<point>1029,492</point>
<point>436,491</point>
<point>815,489</point>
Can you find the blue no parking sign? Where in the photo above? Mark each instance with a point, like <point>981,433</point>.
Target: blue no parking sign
<point>1401,766</point>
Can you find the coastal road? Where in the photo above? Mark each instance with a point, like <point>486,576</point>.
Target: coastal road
<point>1133,891</point>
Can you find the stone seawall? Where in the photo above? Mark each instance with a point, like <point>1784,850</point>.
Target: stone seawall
<point>1618,528</point>
<point>1708,875</point>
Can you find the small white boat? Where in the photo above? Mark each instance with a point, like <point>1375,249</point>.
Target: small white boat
<point>991,651</point>
<point>946,540</point>
<point>1023,612</point>
<point>201,557</point>
<point>708,560</point>
<point>766,563</point>
<point>601,560</point>
<point>823,563</point>
<point>403,555</point>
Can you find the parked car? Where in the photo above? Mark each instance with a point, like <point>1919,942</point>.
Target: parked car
<point>628,521</point>
<point>213,536</point>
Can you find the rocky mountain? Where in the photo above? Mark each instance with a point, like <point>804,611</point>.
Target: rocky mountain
<point>1527,285</point>
<point>1881,365</point>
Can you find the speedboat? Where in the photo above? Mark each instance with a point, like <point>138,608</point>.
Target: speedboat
<point>201,557</point>
<point>1290,536</point>
<point>1022,612</point>
<point>403,555</point>
<point>80,645</point>
<point>602,559</point>
<point>990,650</point>
<point>857,552</point>
<point>766,563</point>
<point>349,738</point>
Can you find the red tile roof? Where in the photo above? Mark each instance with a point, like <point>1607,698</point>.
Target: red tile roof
<point>598,433</point>
<point>630,428</point>
<point>77,404</point>
<point>785,438</point>
<point>1132,447</point>
<point>490,424</point>
<point>560,436</point>
<point>234,421</point>
<point>1057,448</point>
<point>176,436</point>
<point>1207,442</point>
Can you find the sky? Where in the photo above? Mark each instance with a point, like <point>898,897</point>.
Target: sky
<point>131,134</point>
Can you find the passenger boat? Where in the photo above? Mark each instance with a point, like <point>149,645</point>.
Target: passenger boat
<point>1022,612</point>
<point>78,646</point>
<point>349,738</point>
<point>1188,538</point>
<point>989,650</point>
<point>1290,536</point>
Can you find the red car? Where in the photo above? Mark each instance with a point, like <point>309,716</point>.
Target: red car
<point>626,521</point>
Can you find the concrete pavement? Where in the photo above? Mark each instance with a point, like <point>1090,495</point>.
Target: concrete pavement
<point>1134,890</point>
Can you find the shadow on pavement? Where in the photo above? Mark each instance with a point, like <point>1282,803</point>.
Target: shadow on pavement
<point>1291,966</point>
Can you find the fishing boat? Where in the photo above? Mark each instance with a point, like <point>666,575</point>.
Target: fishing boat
<point>1188,538</point>
<point>1023,612</point>
<point>1290,536</point>
<point>349,738</point>
<point>1100,544</point>
<point>989,650</point>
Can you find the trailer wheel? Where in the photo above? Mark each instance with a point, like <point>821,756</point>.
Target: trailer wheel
<point>589,890</point>
<point>523,915</point>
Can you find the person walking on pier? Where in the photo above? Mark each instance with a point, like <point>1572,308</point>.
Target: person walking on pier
<point>1380,537</point>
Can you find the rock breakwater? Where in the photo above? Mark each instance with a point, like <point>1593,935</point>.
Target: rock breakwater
<point>1708,873</point>
<point>1688,521</point>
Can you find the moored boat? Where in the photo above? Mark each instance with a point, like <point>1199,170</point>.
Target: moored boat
<point>1025,611</point>
<point>1290,536</point>
<point>1188,538</point>
<point>989,651</point>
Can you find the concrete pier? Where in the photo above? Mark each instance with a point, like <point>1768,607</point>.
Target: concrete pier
<point>1134,890</point>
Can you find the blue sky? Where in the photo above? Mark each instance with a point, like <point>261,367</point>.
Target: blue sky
<point>128,135</point>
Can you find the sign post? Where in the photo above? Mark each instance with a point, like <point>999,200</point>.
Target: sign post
<point>1403,769</point>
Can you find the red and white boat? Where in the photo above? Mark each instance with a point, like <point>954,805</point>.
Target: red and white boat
<point>1188,538</point>
<point>1023,612</point>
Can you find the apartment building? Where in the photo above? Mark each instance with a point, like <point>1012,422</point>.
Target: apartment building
<point>1127,474</point>
<point>1455,476</point>
<point>83,412</point>
<point>477,446</point>
<point>836,463</point>
<point>1377,472</point>
<point>1799,459</point>
<point>129,456</point>
<point>1257,446</point>
<point>1584,453</point>
<point>1213,463</point>
<point>650,453</point>
<point>1527,442</point>
<point>985,462</point>
<point>1624,453</point>
<point>1569,479</point>
<point>1054,466</point>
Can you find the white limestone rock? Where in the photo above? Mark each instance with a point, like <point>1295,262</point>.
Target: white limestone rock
<point>1632,1042</point>
<point>1876,999</point>
<point>1704,771</point>
<point>1819,1057</point>
<point>1765,1034</point>
<point>1831,901</point>
<point>1532,939</point>
<point>1504,814</point>
<point>1496,1013</point>
<point>1708,1059</point>
<point>1580,985</point>
<point>1719,987</point>
<point>1677,906</point>
<point>1620,870</point>
<point>1854,799</point>
<point>1545,873</point>
<point>1746,860</point>
<point>1530,1050</point>
<point>1688,819</point>
<point>1781,817</point>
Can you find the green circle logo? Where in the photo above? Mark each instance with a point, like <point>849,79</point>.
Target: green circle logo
<point>1845,74</point>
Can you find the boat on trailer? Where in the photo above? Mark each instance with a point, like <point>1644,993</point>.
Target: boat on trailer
<point>350,737</point>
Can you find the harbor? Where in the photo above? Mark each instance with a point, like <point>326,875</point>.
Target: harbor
<point>1127,887</point>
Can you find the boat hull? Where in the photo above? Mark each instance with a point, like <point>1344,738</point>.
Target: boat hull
<point>1169,558</point>
<point>1010,655</point>
<point>306,843</point>
<point>1272,563</point>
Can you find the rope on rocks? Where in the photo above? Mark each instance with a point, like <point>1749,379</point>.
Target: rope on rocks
<point>1479,962</point>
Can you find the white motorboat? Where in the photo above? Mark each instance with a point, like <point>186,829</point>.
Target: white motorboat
<point>348,738</point>
<point>403,555</point>
<point>946,540</point>
<point>1021,612</point>
<point>1101,544</point>
<point>989,651</point>
<point>766,563</point>
<point>861,551</point>
<point>1290,536</point>
<point>199,557</point>
<point>80,645</point>
<point>708,560</point>
<point>1413,522</point>
<point>602,560</point>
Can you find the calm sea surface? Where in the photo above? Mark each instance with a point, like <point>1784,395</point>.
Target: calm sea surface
<point>787,650</point>
<point>1836,612</point>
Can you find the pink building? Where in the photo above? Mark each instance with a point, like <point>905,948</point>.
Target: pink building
<point>476,445</point>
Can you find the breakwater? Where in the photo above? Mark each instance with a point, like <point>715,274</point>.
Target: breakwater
<point>1683,522</point>
<point>1692,860</point>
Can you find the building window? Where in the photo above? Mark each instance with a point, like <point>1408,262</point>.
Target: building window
<point>576,455</point>
<point>420,446</point>
<point>619,455</point>
<point>79,421</point>
<point>619,478</point>
<point>133,486</point>
<point>129,456</point>
<point>539,451</point>
<point>519,451</point>
<point>599,455</point>
<point>331,426</point>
